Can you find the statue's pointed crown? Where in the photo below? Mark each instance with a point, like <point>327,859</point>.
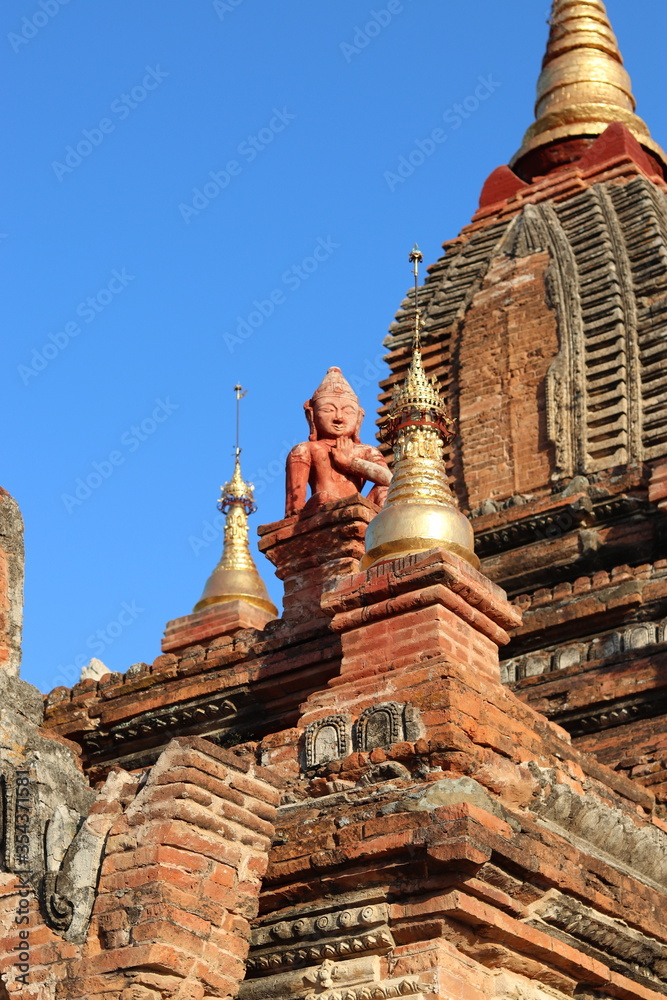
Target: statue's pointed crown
<point>334,383</point>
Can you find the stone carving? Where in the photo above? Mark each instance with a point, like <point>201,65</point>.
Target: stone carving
<point>352,980</point>
<point>380,726</point>
<point>639,636</point>
<point>333,462</point>
<point>609,830</point>
<point>543,231</point>
<point>60,832</point>
<point>325,977</point>
<point>613,644</point>
<point>161,723</point>
<point>321,937</point>
<point>376,991</point>
<point>59,910</point>
<point>568,656</point>
<point>606,645</point>
<point>614,938</point>
<point>327,739</point>
<point>69,889</point>
<point>93,670</point>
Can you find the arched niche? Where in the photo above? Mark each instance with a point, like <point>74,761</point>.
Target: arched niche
<point>381,726</point>
<point>327,739</point>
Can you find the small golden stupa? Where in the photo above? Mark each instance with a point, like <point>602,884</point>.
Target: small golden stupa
<point>584,86</point>
<point>236,578</point>
<point>421,511</point>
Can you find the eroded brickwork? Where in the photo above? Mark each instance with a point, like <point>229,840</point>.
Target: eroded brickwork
<point>11,583</point>
<point>153,894</point>
<point>434,835</point>
<point>510,341</point>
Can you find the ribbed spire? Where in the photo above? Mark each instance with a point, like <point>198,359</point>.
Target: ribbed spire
<point>583,86</point>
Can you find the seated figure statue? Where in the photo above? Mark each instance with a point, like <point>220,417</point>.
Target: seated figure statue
<point>334,462</point>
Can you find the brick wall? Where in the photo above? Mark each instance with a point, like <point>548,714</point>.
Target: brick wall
<point>178,887</point>
<point>510,341</point>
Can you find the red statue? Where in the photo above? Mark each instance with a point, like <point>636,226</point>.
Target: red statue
<point>334,462</point>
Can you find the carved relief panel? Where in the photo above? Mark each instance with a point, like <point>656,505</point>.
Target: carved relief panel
<point>379,726</point>
<point>328,739</point>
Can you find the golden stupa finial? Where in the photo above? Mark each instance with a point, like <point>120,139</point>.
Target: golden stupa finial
<point>583,87</point>
<point>235,578</point>
<point>420,512</point>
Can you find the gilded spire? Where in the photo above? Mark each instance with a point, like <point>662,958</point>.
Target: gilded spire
<point>583,87</point>
<point>235,578</point>
<point>420,512</point>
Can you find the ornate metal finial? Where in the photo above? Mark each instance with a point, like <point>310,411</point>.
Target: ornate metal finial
<point>236,577</point>
<point>420,512</point>
<point>583,87</point>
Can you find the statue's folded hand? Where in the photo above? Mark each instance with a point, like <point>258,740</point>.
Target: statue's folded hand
<point>342,454</point>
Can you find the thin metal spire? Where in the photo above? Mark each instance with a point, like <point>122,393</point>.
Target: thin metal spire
<point>416,257</point>
<point>240,393</point>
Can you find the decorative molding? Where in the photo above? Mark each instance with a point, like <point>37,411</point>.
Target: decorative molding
<point>613,832</point>
<point>308,938</point>
<point>639,636</point>
<point>553,524</point>
<point>535,527</point>
<point>371,991</point>
<point>623,945</point>
<point>612,713</point>
<point>564,381</point>
<point>642,213</point>
<point>349,920</point>
<point>164,722</point>
<point>380,941</point>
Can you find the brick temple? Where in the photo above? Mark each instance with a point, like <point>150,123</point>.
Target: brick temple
<point>442,771</point>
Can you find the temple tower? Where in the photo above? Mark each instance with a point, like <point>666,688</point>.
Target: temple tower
<point>547,319</point>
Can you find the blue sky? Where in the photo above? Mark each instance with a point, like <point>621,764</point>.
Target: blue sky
<point>203,193</point>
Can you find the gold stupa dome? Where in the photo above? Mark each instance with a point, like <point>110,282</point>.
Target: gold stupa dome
<point>420,512</point>
<point>236,578</point>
